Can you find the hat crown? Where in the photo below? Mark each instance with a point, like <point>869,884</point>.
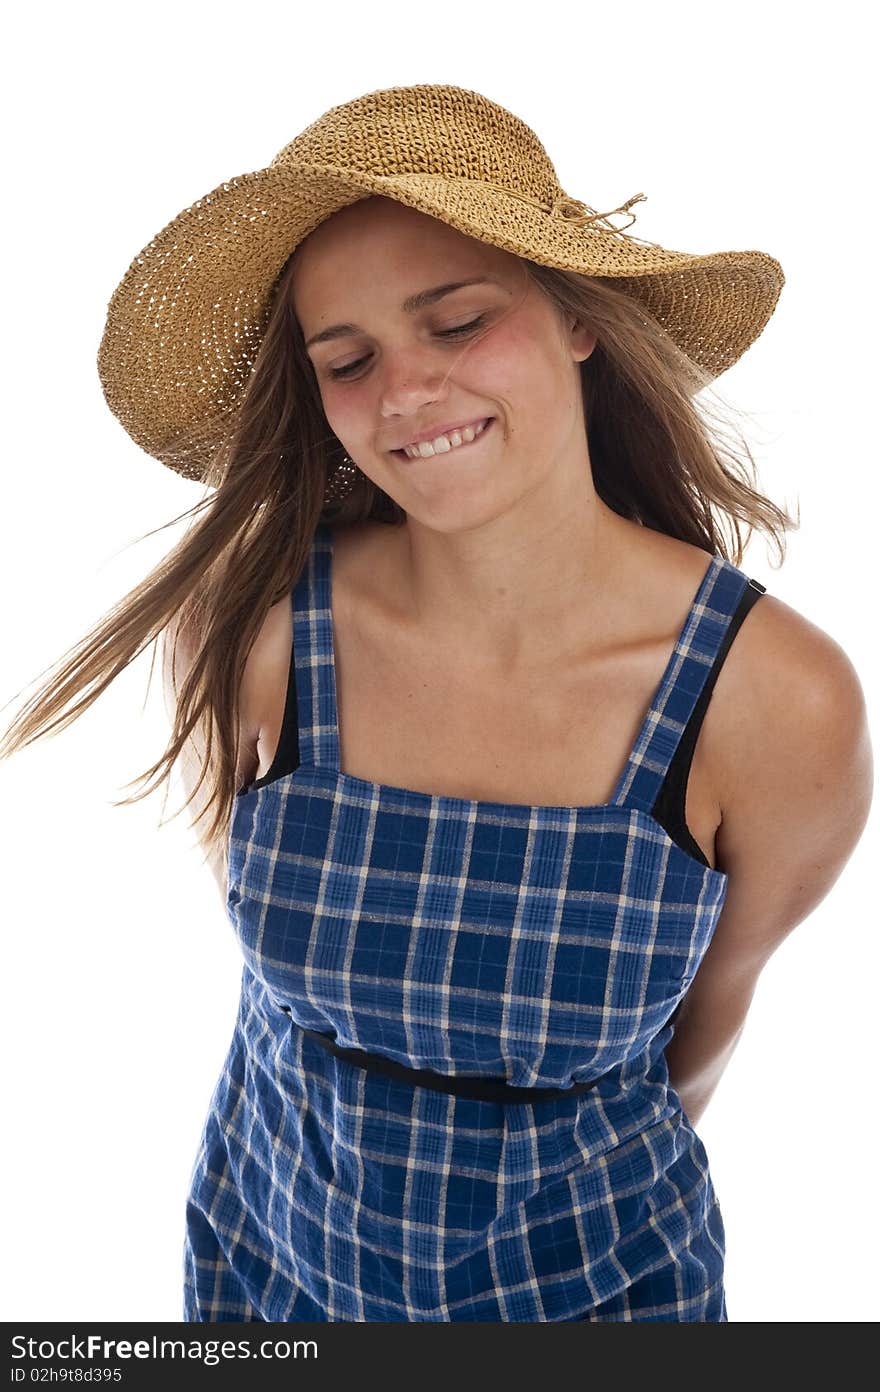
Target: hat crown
<point>445,131</point>
<point>184,324</point>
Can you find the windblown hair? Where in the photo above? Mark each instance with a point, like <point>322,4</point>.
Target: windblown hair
<point>658,457</point>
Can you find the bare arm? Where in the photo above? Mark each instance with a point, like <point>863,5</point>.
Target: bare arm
<point>192,756</point>
<point>796,770</point>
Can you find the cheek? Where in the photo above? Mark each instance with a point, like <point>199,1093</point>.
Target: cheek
<point>510,364</point>
<point>496,367</point>
<point>346,411</point>
<point>516,352</point>
<point>520,373</point>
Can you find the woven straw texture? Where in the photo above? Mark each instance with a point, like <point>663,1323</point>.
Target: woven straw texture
<point>184,324</point>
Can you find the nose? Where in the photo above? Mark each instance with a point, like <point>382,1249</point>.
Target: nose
<point>412,379</point>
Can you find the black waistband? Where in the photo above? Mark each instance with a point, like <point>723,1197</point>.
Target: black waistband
<point>484,1089</point>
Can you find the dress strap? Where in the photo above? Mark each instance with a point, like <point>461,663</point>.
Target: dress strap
<point>695,658</point>
<point>697,654</point>
<point>318,731</point>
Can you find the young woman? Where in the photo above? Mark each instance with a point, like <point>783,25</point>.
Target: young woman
<point>440,656</point>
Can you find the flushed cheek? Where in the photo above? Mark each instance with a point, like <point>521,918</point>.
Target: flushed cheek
<point>347,424</point>
<point>509,373</point>
<point>500,370</point>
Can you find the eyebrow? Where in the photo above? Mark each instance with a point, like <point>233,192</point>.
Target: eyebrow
<point>410,306</point>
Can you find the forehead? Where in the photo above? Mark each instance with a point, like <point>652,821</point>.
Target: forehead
<point>380,245</point>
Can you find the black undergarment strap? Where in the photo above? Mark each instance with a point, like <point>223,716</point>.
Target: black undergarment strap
<point>485,1089</point>
<point>669,806</point>
<point>287,754</point>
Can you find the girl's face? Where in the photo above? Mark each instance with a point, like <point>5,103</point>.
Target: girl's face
<point>397,355</point>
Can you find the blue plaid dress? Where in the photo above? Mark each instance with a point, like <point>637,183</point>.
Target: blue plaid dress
<point>539,944</point>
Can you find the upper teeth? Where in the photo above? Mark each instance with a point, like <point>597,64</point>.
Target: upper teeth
<point>444,443</point>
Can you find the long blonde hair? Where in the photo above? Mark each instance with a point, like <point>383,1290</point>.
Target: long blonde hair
<point>658,457</point>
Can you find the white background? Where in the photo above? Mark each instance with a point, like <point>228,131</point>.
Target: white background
<point>746,126</point>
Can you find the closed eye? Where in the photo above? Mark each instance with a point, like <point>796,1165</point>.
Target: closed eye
<point>441,333</point>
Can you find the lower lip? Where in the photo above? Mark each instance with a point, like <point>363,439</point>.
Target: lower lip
<point>444,454</point>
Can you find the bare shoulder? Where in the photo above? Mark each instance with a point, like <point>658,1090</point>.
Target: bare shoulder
<point>178,648</point>
<point>786,690</point>
<point>266,668</point>
<point>793,766</point>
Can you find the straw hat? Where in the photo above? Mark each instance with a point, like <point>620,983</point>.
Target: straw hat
<point>184,324</point>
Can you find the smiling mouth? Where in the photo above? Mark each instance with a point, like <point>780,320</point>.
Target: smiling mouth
<point>442,454</point>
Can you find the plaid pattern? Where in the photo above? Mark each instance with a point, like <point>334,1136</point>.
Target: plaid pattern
<point>538,944</point>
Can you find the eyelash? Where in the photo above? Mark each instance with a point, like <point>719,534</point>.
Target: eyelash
<point>442,333</point>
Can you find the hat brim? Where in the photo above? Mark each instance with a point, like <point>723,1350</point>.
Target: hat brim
<point>185,321</point>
